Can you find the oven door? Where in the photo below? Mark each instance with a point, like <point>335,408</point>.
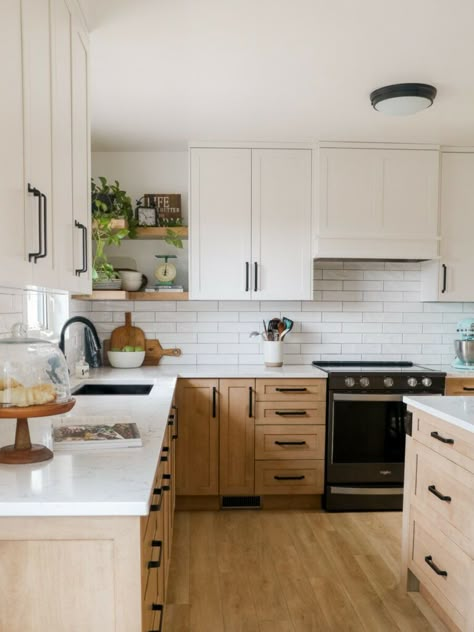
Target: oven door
<point>366,439</point>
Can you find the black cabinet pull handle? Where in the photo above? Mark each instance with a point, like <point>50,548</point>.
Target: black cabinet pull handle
<point>157,506</point>
<point>250,401</point>
<point>255,267</point>
<point>290,413</point>
<point>289,478</point>
<point>433,490</point>
<point>153,563</point>
<point>166,477</point>
<point>214,402</point>
<point>437,436</point>
<point>437,570</point>
<point>445,270</point>
<point>83,228</point>
<point>175,424</point>
<point>158,607</point>
<point>291,390</point>
<point>290,442</point>
<point>247,276</point>
<point>164,456</point>
<point>33,256</point>
<point>45,227</point>
<point>467,388</point>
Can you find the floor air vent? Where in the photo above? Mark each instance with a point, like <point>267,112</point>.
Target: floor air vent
<point>240,502</point>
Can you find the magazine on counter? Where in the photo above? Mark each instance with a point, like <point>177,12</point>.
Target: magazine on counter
<point>102,435</point>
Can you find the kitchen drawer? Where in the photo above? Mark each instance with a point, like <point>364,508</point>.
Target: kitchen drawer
<point>448,440</point>
<point>445,488</point>
<point>460,386</point>
<point>289,477</point>
<point>451,588</point>
<point>288,412</point>
<point>289,442</point>
<point>281,390</point>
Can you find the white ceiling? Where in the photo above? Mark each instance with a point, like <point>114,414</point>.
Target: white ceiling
<point>164,72</point>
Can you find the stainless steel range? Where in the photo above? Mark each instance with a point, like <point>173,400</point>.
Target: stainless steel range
<point>365,440</point>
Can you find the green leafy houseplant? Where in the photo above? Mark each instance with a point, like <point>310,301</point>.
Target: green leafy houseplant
<point>172,236</point>
<point>104,235</point>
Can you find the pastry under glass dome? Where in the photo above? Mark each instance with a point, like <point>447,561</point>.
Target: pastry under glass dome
<point>33,371</point>
<point>34,382</point>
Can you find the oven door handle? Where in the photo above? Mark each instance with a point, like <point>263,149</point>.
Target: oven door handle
<point>366,397</point>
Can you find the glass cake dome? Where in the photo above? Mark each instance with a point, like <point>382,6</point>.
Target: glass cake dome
<point>33,371</point>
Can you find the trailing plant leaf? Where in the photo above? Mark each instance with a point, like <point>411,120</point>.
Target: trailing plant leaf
<point>173,238</point>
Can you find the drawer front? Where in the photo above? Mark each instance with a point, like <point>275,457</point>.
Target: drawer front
<point>445,488</point>
<point>459,386</point>
<point>289,442</point>
<point>281,390</point>
<point>438,562</point>
<point>288,412</point>
<point>289,477</point>
<point>456,444</point>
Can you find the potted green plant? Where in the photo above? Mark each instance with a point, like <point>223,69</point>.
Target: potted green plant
<point>112,220</point>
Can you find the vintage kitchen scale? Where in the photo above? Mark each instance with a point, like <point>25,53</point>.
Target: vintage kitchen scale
<point>464,345</point>
<point>165,272</point>
<point>34,383</point>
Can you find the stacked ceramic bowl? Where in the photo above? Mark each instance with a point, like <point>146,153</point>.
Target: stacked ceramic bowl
<point>131,280</point>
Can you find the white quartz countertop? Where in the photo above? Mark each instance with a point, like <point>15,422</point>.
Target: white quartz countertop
<point>109,481</point>
<point>456,410</point>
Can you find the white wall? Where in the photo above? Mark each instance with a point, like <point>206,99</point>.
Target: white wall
<point>148,172</point>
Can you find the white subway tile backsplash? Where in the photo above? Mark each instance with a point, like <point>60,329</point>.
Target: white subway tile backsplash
<point>360,311</point>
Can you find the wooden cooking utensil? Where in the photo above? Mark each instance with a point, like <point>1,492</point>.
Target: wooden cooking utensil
<point>153,352</point>
<point>127,336</point>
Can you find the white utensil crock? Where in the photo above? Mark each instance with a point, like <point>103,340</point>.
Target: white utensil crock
<point>273,353</point>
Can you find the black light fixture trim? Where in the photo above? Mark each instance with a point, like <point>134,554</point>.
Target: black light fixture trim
<point>403,90</point>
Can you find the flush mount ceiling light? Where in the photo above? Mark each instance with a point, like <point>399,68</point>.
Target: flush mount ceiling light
<point>402,99</point>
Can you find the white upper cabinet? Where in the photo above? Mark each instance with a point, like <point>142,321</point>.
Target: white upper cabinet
<point>377,203</point>
<point>451,277</point>
<point>281,220</point>
<point>220,224</point>
<point>250,224</point>
<point>41,190</point>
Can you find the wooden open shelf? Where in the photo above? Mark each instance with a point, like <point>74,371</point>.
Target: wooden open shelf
<point>122,295</point>
<point>159,232</point>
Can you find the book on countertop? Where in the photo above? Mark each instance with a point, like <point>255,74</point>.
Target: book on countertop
<point>102,435</point>
<point>165,288</point>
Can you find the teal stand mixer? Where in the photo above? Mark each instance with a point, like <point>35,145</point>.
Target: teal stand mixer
<point>464,345</point>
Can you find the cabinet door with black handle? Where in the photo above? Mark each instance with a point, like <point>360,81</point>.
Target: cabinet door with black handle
<point>197,450</point>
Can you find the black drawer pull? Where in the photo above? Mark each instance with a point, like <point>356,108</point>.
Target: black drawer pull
<point>247,276</point>
<point>289,478</point>
<point>467,388</point>
<point>437,436</point>
<point>33,256</point>
<point>290,413</point>
<point>157,506</point>
<point>433,490</point>
<point>83,228</point>
<point>250,401</point>
<point>290,442</point>
<point>437,570</point>
<point>175,423</point>
<point>214,402</point>
<point>166,477</point>
<point>445,271</point>
<point>153,563</point>
<point>158,607</point>
<point>291,390</point>
<point>164,456</point>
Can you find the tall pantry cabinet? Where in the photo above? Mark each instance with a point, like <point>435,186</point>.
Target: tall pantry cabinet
<point>44,159</point>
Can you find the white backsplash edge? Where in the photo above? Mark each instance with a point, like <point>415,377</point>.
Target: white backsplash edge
<point>360,311</point>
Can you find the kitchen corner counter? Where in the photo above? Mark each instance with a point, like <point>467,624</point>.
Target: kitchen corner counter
<point>456,410</point>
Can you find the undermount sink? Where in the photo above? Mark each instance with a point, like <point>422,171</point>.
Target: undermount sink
<point>114,389</point>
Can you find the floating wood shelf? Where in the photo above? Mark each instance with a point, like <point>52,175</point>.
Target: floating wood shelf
<point>122,295</point>
<point>159,232</point>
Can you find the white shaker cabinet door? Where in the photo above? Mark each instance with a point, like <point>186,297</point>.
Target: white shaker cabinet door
<point>220,224</point>
<point>281,224</point>
<point>38,138</point>
<point>453,275</point>
<point>15,268</point>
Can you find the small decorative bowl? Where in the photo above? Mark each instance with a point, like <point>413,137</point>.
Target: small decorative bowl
<point>126,359</point>
<point>131,281</point>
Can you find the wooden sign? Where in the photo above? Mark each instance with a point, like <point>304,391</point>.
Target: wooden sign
<point>168,205</point>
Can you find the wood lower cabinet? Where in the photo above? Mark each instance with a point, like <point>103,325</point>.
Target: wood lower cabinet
<point>79,573</point>
<point>197,452</point>
<point>236,437</point>
<point>459,386</point>
<point>438,518</point>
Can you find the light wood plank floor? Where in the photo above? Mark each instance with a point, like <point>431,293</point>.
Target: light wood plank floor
<point>298,571</point>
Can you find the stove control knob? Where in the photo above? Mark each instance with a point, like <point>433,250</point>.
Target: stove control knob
<point>412,381</point>
<point>388,382</point>
<point>364,382</point>
<point>427,381</point>
<point>349,381</point>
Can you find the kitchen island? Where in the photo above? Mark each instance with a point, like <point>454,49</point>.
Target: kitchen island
<point>438,510</point>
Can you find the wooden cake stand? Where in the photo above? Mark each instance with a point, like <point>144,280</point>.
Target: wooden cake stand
<point>24,451</point>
